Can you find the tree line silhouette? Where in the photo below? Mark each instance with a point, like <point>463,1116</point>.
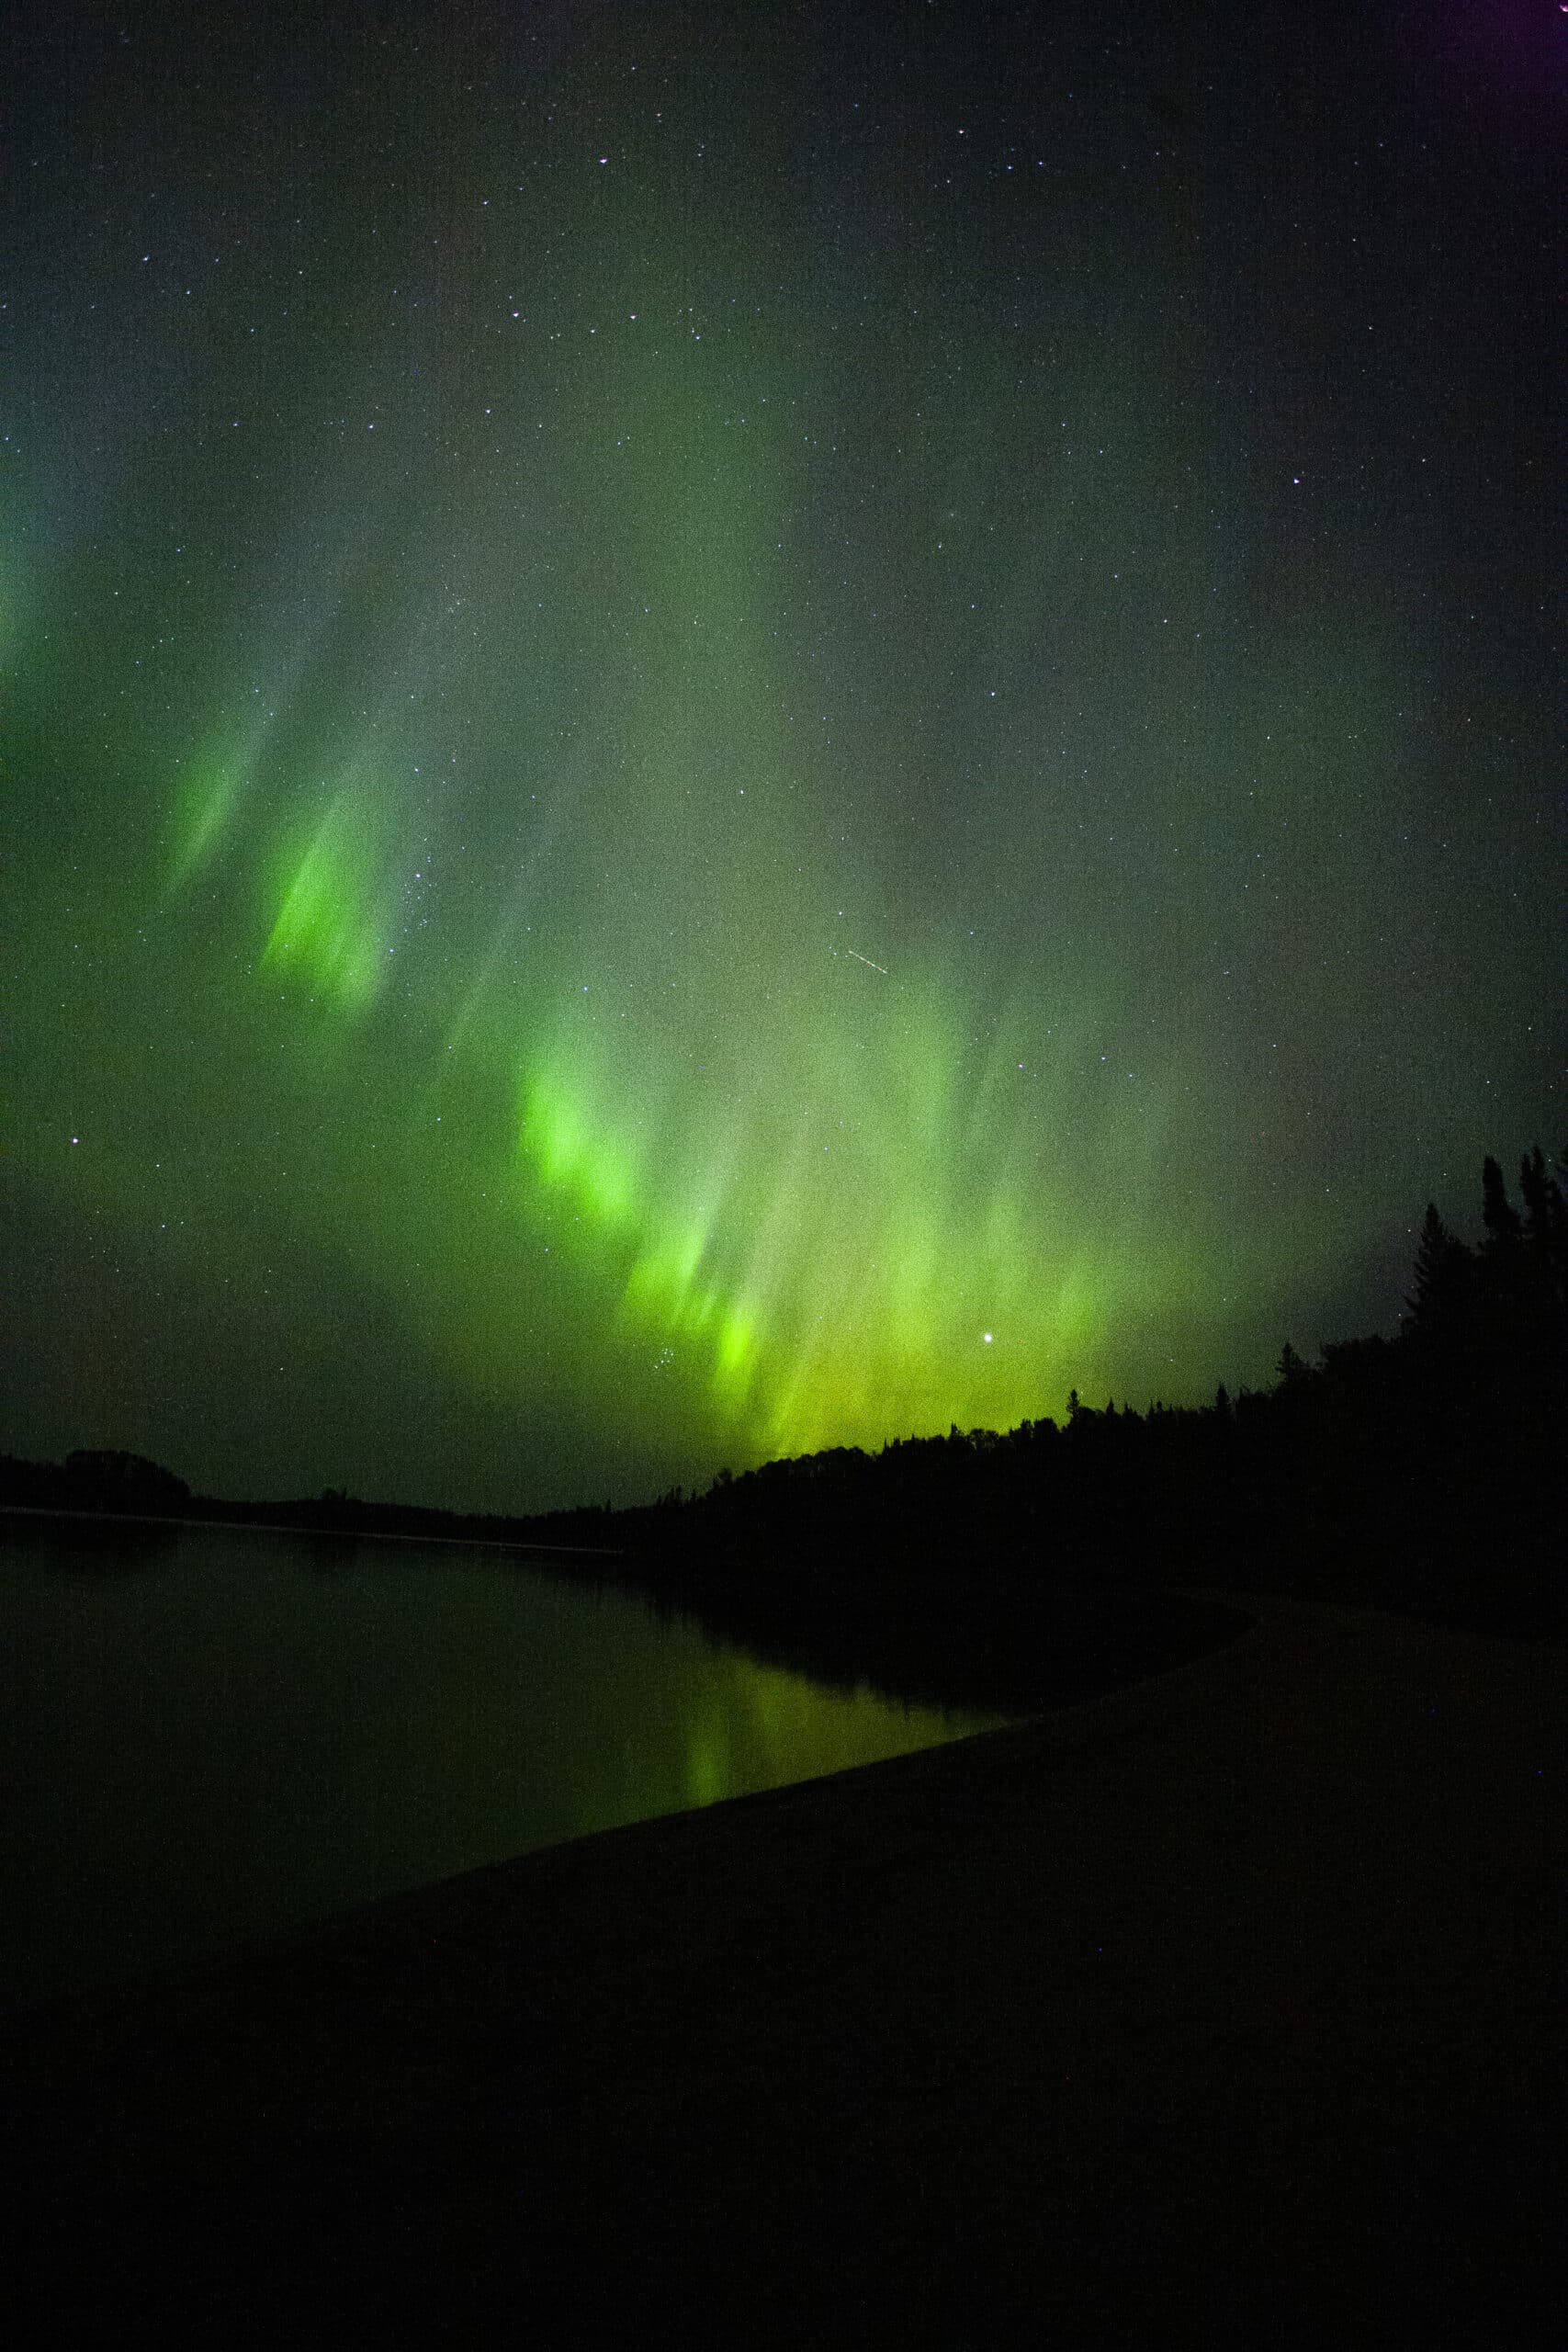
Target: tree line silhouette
<point>1423,1472</point>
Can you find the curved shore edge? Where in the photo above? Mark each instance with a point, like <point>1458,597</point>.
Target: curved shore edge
<point>1230,2002</point>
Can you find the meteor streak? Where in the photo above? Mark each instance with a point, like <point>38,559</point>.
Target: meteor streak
<point>866,961</point>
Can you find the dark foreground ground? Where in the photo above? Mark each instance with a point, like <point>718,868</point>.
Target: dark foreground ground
<point>1227,2009</point>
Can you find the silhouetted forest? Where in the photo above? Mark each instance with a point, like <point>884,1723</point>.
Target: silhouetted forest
<point>1423,1472</point>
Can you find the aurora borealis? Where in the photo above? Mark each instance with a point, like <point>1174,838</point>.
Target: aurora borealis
<point>726,732</point>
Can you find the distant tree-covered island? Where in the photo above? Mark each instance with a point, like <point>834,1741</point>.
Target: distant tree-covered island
<point>1422,1472</point>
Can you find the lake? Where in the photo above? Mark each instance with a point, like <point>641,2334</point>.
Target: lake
<point>208,1734</point>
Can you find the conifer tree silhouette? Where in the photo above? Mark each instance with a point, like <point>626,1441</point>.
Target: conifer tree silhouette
<point>1443,1267</point>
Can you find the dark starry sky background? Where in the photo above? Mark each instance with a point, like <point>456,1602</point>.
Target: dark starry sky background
<point>732,729</point>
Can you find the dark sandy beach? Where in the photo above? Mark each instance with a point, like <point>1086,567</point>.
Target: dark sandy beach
<point>1229,2009</point>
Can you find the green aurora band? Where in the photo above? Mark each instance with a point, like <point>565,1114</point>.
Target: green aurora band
<point>705,828</point>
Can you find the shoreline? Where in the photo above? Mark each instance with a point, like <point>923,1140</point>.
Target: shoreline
<point>1237,1984</point>
<point>299,1527</point>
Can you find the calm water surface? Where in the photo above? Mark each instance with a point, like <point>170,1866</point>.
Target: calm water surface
<point>207,1734</point>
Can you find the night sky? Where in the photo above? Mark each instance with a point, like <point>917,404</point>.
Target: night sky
<point>732,729</point>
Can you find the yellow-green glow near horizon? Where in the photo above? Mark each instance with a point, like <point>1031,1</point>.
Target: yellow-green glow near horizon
<point>778,756</point>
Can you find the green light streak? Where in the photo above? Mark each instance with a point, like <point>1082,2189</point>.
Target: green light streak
<point>206,801</point>
<point>827,1295</point>
<point>574,1155</point>
<point>328,930</point>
